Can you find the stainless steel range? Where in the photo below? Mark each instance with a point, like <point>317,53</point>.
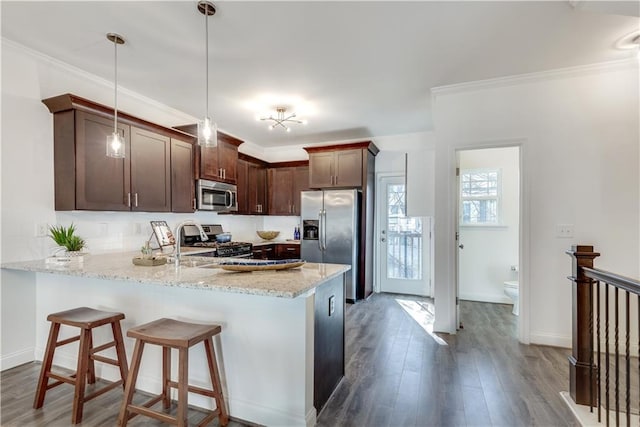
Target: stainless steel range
<point>191,238</point>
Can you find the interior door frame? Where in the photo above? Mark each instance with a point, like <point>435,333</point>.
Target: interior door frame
<point>427,227</point>
<point>523,232</point>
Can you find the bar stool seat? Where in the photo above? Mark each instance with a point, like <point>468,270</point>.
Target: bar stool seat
<point>170,333</point>
<point>86,319</point>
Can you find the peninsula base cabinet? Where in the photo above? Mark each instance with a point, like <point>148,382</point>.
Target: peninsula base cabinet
<point>144,180</point>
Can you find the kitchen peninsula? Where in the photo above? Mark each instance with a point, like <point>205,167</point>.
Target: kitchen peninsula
<point>281,350</point>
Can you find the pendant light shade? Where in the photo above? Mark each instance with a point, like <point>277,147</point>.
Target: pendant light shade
<point>115,141</point>
<point>207,128</point>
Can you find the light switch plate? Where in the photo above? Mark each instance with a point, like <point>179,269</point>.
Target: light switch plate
<point>564,230</point>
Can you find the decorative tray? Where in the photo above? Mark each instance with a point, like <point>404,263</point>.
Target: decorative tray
<point>261,265</point>
<point>149,262</point>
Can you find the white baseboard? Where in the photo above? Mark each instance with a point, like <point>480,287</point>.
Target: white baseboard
<point>552,340</point>
<point>17,358</point>
<point>482,297</point>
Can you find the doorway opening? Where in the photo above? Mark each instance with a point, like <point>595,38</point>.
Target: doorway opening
<point>404,244</point>
<point>488,227</point>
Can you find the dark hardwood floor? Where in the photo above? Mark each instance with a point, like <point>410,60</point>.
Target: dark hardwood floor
<point>398,374</point>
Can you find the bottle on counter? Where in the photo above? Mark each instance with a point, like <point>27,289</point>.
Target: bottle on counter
<point>296,233</point>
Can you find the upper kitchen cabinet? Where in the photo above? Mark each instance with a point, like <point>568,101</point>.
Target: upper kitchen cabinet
<point>86,179</point>
<point>218,163</point>
<point>252,186</point>
<point>182,176</point>
<point>339,166</point>
<point>284,186</point>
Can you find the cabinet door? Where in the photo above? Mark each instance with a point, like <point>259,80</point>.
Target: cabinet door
<point>182,177</point>
<point>150,171</point>
<point>227,161</point>
<point>348,168</point>
<point>300,183</point>
<point>288,251</point>
<point>209,168</point>
<point>244,188</point>
<point>321,170</point>
<point>280,191</point>
<point>257,191</point>
<point>102,183</point>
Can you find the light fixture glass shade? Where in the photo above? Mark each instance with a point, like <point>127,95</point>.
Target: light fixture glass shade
<point>207,133</point>
<point>115,146</point>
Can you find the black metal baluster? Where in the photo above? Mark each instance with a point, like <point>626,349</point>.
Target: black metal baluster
<point>627,361</point>
<point>591,346</point>
<point>606,349</point>
<point>599,396</point>
<point>617,356</point>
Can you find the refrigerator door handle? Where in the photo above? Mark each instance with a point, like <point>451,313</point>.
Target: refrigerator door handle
<point>324,230</point>
<point>320,230</point>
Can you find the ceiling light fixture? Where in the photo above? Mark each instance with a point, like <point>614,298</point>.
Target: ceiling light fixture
<point>115,141</point>
<point>282,119</point>
<point>207,129</point>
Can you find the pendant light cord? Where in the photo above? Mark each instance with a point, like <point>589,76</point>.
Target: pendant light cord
<point>115,72</point>
<point>206,56</point>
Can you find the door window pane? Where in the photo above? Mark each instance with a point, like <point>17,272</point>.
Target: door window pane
<point>404,237</point>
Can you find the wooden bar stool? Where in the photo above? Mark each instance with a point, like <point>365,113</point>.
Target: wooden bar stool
<point>169,334</point>
<point>86,319</point>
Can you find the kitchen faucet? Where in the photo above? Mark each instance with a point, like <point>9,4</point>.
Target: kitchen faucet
<point>179,227</point>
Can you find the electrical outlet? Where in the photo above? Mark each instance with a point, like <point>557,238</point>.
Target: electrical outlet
<point>137,228</point>
<point>104,228</point>
<point>332,304</point>
<point>564,230</point>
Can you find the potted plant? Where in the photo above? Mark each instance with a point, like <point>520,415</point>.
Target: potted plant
<point>65,237</point>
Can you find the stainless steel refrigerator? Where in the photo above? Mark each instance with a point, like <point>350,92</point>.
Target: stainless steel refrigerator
<point>330,231</point>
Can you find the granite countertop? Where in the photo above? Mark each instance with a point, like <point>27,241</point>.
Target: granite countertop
<point>118,266</point>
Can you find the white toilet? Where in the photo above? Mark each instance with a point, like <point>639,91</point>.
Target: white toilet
<point>511,289</point>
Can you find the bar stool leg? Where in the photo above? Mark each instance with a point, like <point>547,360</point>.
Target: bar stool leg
<point>43,381</point>
<point>166,377</point>
<point>130,387</point>
<point>215,380</point>
<point>91,372</point>
<point>183,386</point>
<point>81,376</point>
<point>120,352</point>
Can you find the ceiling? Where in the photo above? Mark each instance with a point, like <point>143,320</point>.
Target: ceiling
<point>361,69</point>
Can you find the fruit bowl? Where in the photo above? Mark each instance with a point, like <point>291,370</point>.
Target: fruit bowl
<point>268,235</point>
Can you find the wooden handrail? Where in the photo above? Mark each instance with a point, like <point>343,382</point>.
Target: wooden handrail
<point>617,280</point>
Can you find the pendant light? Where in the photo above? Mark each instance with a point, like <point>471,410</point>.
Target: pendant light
<point>207,129</point>
<point>115,141</point>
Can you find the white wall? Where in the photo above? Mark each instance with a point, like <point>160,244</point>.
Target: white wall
<point>490,251</point>
<point>579,133</point>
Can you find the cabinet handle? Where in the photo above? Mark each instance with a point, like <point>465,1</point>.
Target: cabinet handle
<point>135,198</point>
<point>219,172</point>
<point>224,173</point>
<point>129,199</point>
<point>291,249</point>
<point>194,203</point>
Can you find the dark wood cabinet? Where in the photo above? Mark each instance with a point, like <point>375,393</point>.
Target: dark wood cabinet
<point>280,191</point>
<point>86,179</point>
<point>252,187</point>
<point>182,177</point>
<point>285,185</point>
<point>150,171</point>
<point>336,169</point>
<point>287,250</point>
<point>220,163</point>
<point>264,251</point>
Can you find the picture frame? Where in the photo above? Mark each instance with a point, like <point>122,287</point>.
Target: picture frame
<point>163,233</point>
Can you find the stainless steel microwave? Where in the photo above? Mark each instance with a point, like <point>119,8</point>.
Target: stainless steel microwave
<point>216,196</point>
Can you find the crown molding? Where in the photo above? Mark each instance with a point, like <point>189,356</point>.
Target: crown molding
<point>149,102</point>
<point>560,73</point>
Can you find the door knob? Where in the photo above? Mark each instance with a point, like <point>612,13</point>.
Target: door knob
<point>382,239</point>
<point>461,246</point>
